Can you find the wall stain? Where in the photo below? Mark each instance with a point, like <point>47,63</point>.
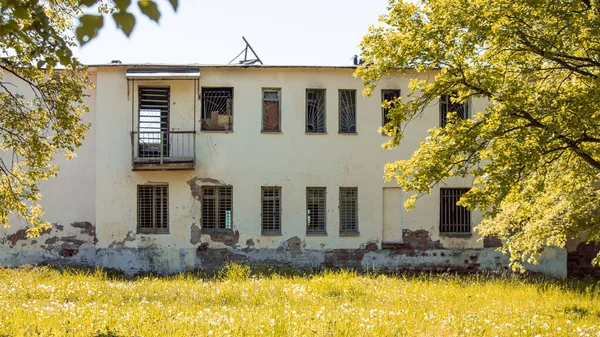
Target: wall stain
<point>120,244</point>
<point>86,228</point>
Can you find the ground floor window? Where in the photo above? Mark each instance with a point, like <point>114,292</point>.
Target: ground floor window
<point>217,210</point>
<point>153,208</point>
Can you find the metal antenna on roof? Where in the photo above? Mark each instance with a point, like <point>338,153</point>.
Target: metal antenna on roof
<point>244,51</point>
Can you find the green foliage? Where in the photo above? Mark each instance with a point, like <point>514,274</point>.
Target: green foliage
<point>534,152</point>
<point>89,25</point>
<point>49,302</point>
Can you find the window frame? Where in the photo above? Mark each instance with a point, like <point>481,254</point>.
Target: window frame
<point>352,231</point>
<point>155,229</point>
<point>453,216</point>
<point>217,197</point>
<point>353,93</point>
<point>306,108</point>
<point>262,125</point>
<point>445,101</point>
<point>203,117</point>
<point>322,230</point>
<point>263,198</point>
<point>385,111</point>
<point>165,139</point>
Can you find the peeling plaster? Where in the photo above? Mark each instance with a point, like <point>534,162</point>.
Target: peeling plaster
<point>86,228</point>
<point>195,234</point>
<point>228,239</point>
<point>121,244</point>
<point>419,240</point>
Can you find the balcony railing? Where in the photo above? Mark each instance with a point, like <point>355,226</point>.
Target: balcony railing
<point>163,150</point>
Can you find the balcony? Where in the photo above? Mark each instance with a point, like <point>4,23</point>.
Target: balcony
<point>163,150</point>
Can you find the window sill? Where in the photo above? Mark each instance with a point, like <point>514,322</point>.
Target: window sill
<point>456,234</point>
<point>152,231</point>
<point>271,233</point>
<point>316,234</point>
<point>348,133</point>
<point>216,231</point>
<point>216,131</point>
<point>271,132</point>
<point>315,133</point>
<point>350,234</point>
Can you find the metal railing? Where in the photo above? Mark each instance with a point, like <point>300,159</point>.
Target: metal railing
<point>163,147</point>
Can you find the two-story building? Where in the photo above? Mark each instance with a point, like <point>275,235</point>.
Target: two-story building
<point>193,166</point>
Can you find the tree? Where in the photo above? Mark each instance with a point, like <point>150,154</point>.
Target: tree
<point>534,153</point>
<point>42,88</point>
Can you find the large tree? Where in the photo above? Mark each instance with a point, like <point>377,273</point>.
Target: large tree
<point>534,153</point>
<point>42,90</point>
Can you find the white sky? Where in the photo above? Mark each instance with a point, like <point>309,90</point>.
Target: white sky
<point>282,32</point>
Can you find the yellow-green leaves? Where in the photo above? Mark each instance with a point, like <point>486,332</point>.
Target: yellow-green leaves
<point>533,148</point>
<point>149,8</point>
<point>89,26</point>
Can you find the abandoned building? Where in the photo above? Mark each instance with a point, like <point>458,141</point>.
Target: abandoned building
<point>189,167</point>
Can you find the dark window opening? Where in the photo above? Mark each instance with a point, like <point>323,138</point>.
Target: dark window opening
<point>271,210</point>
<point>348,210</point>
<point>153,122</point>
<point>387,95</point>
<point>315,111</point>
<point>153,208</point>
<point>271,110</point>
<point>448,105</point>
<point>453,218</point>
<point>347,111</point>
<point>217,202</point>
<point>316,213</point>
<point>217,109</point>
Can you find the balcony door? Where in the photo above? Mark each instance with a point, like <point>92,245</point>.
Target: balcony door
<point>153,122</point>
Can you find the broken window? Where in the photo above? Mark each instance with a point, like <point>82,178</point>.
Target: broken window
<point>347,110</point>
<point>216,207</point>
<point>315,210</point>
<point>315,111</point>
<point>153,122</point>
<point>271,110</point>
<point>387,95</point>
<point>453,218</point>
<point>217,109</point>
<point>271,210</point>
<point>348,210</point>
<point>448,104</point>
<point>153,208</point>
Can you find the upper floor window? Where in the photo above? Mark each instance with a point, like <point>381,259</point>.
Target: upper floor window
<point>315,111</point>
<point>453,218</point>
<point>347,111</point>
<point>217,210</point>
<point>387,95</point>
<point>153,122</point>
<point>153,208</point>
<point>217,109</point>
<point>271,118</point>
<point>448,104</point>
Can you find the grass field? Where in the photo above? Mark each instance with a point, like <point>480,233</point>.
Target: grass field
<point>49,302</point>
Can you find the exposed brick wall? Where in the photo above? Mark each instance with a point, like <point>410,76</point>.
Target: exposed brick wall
<point>579,261</point>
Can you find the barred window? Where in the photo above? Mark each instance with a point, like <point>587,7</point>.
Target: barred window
<point>348,210</point>
<point>153,122</point>
<point>217,109</point>
<point>347,111</point>
<point>271,209</point>
<point>447,105</point>
<point>217,213</point>
<point>387,95</point>
<point>315,111</point>
<point>271,121</point>
<point>316,215</point>
<point>453,218</point>
<point>153,208</point>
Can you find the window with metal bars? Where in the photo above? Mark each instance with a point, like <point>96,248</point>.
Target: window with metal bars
<point>153,208</point>
<point>217,109</point>
<point>217,211</point>
<point>347,111</point>
<point>387,95</point>
<point>316,212</point>
<point>453,218</point>
<point>348,210</point>
<point>448,104</point>
<point>271,210</point>
<point>153,122</point>
<point>271,121</point>
<point>315,111</point>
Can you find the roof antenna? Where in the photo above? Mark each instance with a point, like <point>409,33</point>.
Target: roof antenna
<point>244,51</point>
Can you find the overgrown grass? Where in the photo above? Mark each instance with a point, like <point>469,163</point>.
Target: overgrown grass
<point>43,301</point>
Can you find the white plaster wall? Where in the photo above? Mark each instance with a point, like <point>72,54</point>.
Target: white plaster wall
<point>248,159</point>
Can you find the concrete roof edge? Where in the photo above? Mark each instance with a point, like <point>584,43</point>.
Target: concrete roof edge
<point>193,65</point>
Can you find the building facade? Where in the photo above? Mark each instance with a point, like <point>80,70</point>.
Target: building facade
<point>189,167</point>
